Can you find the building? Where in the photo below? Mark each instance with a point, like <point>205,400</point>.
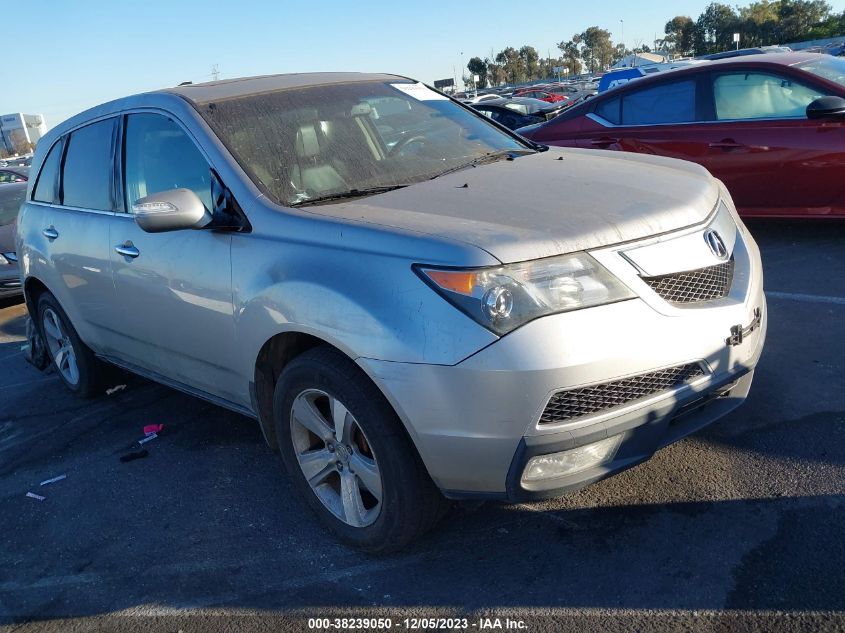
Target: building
<point>18,130</point>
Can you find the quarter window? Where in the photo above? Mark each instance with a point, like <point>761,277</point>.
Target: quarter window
<point>87,171</point>
<point>610,111</point>
<point>665,103</point>
<point>47,187</point>
<point>748,95</point>
<point>160,156</point>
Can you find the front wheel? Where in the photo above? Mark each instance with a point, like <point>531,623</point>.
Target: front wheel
<point>345,449</point>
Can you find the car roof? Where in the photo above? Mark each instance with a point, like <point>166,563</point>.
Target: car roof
<point>201,94</point>
<point>779,59</point>
<point>245,86</point>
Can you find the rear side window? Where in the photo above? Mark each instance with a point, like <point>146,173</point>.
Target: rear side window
<point>749,95</point>
<point>87,172</point>
<point>47,187</point>
<point>665,103</point>
<point>610,111</point>
<point>159,156</point>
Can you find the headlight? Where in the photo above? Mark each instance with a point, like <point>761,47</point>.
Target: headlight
<point>503,298</point>
<point>8,258</point>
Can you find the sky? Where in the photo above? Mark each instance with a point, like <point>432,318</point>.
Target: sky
<point>69,55</point>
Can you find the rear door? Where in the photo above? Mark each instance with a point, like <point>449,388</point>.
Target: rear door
<point>664,118</point>
<point>174,289</point>
<point>72,209</point>
<point>773,159</point>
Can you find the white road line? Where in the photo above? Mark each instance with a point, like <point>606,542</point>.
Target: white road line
<point>799,296</point>
<point>29,382</point>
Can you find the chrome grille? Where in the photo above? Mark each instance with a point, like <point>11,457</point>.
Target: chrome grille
<point>574,403</point>
<point>693,286</point>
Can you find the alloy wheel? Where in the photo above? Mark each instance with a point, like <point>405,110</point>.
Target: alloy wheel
<point>336,458</point>
<point>60,346</point>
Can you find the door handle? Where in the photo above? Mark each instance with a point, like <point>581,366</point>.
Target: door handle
<point>127,249</point>
<point>727,143</point>
<point>604,141</point>
<point>50,233</point>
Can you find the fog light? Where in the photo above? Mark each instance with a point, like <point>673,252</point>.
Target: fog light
<point>570,462</point>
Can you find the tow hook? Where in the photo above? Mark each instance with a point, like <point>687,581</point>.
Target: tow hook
<point>738,333</point>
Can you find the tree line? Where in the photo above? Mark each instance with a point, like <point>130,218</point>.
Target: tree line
<point>760,23</point>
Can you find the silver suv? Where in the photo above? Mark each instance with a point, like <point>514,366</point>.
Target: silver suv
<point>413,302</point>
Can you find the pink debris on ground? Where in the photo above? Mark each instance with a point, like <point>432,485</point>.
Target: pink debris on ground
<point>153,428</point>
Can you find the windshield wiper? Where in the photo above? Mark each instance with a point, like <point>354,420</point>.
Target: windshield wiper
<point>352,193</point>
<point>492,157</point>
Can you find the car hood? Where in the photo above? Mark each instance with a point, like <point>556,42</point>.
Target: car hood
<point>549,203</point>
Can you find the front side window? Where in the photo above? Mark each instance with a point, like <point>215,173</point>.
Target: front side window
<point>159,156</point>
<point>304,143</point>
<point>47,186</point>
<point>754,95</point>
<point>664,103</point>
<point>87,170</point>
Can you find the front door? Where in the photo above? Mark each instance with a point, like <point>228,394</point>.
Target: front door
<point>662,118</point>
<point>174,288</point>
<point>772,159</point>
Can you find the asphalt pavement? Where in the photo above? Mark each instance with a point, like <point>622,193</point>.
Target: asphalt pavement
<point>739,527</point>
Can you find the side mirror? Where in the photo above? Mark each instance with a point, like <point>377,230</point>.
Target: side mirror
<point>826,107</point>
<point>171,210</point>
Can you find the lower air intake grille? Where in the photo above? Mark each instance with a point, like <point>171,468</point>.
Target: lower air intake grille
<point>704,284</point>
<point>574,403</point>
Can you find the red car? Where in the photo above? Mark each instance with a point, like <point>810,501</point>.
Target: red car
<point>771,127</point>
<point>542,95</point>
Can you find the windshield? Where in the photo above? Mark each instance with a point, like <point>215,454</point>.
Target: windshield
<point>302,144</point>
<point>827,67</point>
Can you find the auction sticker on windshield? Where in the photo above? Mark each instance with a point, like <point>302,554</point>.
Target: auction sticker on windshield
<point>420,92</point>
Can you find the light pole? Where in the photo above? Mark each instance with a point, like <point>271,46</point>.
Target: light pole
<point>622,36</point>
<point>463,72</point>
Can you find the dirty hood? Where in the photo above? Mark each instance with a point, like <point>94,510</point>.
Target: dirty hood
<point>545,204</point>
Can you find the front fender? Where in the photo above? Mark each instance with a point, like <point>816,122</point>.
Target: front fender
<point>366,304</point>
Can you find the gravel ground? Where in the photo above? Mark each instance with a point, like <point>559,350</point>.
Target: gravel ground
<point>739,527</point>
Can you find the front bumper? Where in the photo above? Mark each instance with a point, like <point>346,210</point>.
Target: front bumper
<point>476,424</point>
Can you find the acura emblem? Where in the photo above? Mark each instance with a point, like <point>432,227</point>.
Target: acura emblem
<point>717,246</point>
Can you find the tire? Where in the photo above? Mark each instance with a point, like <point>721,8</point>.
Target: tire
<point>399,502</point>
<point>81,372</point>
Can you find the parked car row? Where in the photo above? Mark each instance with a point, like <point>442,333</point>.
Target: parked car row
<point>517,112</point>
<point>527,105</point>
<point>17,161</point>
